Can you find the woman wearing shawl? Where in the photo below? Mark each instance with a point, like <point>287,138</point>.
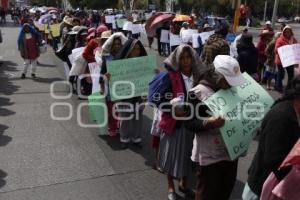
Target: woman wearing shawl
<point>248,55</point>
<point>110,50</point>
<point>28,45</point>
<point>130,129</point>
<point>216,172</point>
<point>176,141</point>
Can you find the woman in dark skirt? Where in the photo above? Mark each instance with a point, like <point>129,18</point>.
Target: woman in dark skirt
<point>176,141</point>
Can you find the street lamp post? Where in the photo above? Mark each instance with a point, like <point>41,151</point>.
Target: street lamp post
<point>275,12</point>
<point>265,12</point>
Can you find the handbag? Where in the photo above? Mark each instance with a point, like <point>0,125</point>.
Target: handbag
<point>43,47</point>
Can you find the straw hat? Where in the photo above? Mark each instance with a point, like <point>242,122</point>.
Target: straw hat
<point>105,34</point>
<point>68,20</point>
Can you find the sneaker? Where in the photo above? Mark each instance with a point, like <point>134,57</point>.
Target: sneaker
<point>33,75</point>
<point>172,196</point>
<point>124,145</point>
<point>138,144</point>
<point>187,192</point>
<point>23,76</point>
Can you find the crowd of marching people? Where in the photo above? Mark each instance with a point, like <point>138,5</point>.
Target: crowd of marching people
<point>195,69</point>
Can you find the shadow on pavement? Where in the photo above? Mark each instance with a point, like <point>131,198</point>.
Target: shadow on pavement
<point>46,80</point>
<point>4,139</point>
<point>7,87</point>
<point>45,65</point>
<point>146,152</point>
<point>3,174</point>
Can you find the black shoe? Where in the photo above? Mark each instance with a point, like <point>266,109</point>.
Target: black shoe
<point>124,145</point>
<point>138,144</point>
<point>187,192</point>
<point>33,75</point>
<point>23,76</point>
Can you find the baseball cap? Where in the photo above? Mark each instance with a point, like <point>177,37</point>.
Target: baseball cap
<point>268,23</point>
<point>230,69</point>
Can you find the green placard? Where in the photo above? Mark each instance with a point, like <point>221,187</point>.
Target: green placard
<point>243,108</point>
<point>121,22</point>
<point>98,111</point>
<point>130,77</point>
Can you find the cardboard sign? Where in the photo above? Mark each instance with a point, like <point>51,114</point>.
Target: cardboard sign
<point>41,27</point>
<point>164,36</point>
<point>130,77</point>
<point>120,22</point>
<point>98,111</point>
<point>289,55</point>
<point>55,30</point>
<point>175,40</point>
<point>243,108</point>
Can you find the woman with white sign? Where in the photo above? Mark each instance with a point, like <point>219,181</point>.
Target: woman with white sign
<point>176,141</point>
<point>216,173</point>
<point>286,38</point>
<point>109,52</point>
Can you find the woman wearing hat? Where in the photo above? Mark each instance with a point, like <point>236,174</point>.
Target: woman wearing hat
<point>216,172</point>
<point>286,38</point>
<point>265,38</point>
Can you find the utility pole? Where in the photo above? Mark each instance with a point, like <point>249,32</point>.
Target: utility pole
<point>275,12</point>
<point>265,13</point>
<point>236,6</point>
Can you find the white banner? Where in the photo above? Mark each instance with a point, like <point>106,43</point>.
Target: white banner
<point>195,40</point>
<point>164,36</point>
<point>136,28</point>
<point>175,40</point>
<point>205,35</point>
<point>109,19</point>
<point>95,75</point>
<point>289,55</point>
<point>186,35</point>
<point>127,26</point>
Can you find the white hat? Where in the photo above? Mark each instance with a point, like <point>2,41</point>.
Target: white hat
<point>268,23</point>
<point>75,30</point>
<point>230,69</point>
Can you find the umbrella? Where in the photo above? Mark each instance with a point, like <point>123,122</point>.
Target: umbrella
<point>150,20</point>
<point>45,19</point>
<point>159,20</point>
<point>182,18</point>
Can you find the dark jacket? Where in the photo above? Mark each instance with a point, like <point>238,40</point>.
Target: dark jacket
<point>279,133</point>
<point>247,55</point>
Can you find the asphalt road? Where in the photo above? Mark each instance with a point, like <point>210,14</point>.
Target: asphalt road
<point>46,159</point>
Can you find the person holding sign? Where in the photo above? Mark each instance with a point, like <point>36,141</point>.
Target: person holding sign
<point>286,38</point>
<point>279,133</point>
<point>216,171</point>
<point>109,52</point>
<point>130,110</point>
<point>176,141</point>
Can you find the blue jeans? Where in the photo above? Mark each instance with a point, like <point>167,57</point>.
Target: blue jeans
<point>280,76</point>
